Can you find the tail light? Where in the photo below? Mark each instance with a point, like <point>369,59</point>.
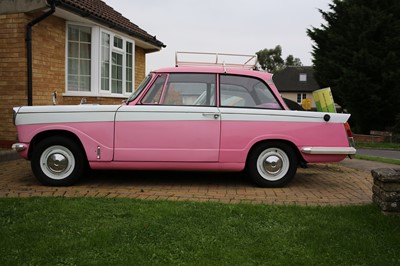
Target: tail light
<point>348,130</point>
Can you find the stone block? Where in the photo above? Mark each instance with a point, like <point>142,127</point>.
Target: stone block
<point>386,175</point>
<point>392,196</point>
<point>386,189</point>
<point>392,207</point>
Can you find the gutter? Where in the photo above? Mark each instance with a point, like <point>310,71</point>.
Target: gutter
<point>29,46</point>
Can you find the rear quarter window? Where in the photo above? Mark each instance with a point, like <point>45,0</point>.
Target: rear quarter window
<point>247,92</point>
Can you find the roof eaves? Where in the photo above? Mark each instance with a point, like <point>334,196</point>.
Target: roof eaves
<point>87,13</point>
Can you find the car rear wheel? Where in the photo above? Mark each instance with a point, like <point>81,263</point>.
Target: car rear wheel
<point>272,164</point>
<point>58,161</point>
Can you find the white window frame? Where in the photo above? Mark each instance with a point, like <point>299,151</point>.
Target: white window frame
<point>96,56</point>
<point>301,96</point>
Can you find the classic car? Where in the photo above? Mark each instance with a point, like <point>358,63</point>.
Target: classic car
<point>201,118</point>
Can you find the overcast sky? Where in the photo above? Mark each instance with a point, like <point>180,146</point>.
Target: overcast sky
<point>224,26</point>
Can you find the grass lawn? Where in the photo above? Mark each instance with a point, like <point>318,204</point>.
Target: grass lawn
<point>93,231</point>
<point>378,159</point>
<point>378,145</point>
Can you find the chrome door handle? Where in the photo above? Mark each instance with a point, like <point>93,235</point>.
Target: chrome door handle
<point>215,115</point>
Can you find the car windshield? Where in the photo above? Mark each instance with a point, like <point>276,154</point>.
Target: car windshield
<point>139,89</point>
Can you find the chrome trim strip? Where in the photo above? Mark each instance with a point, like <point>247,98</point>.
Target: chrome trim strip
<point>329,150</point>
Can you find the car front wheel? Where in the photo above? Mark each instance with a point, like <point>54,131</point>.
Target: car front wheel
<point>57,161</point>
<point>272,164</point>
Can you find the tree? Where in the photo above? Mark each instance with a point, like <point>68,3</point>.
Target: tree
<point>291,61</point>
<point>271,59</point>
<point>357,54</point>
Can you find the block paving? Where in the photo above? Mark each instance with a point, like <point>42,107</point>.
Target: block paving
<point>317,185</point>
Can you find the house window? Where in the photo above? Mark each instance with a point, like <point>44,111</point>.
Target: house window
<point>117,66</point>
<point>117,73</point>
<point>108,72</point>
<point>303,77</point>
<point>105,62</point>
<point>301,97</point>
<point>79,58</point>
<point>118,43</point>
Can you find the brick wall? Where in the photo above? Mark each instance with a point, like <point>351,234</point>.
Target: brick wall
<point>48,64</point>
<point>140,65</point>
<point>13,72</point>
<point>48,59</point>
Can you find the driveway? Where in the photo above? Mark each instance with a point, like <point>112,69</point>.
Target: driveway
<point>319,184</point>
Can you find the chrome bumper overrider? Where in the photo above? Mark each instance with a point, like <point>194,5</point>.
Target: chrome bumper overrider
<point>18,147</point>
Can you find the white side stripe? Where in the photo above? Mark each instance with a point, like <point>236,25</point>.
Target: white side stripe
<point>32,115</point>
<point>51,118</point>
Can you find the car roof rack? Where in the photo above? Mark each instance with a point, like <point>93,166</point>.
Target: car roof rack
<point>215,59</point>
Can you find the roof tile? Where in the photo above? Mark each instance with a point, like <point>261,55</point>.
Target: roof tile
<point>107,15</point>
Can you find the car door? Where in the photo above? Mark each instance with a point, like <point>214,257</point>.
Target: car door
<point>176,121</point>
<point>248,111</point>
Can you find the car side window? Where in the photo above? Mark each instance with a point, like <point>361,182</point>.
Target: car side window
<point>233,95</point>
<point>153,96</point>
<point>240,91</point>
<point>190,89</point>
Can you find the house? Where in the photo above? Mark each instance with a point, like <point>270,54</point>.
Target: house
<point>65,52</point>
<point>296,83</point>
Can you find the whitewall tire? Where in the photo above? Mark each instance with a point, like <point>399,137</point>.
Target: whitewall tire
<point>58,161</point>
<point>272,164</point>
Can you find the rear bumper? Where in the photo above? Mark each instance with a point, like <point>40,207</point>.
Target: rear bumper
<point>352,144</point>
<point>350,151</point>
<point>329,150</point>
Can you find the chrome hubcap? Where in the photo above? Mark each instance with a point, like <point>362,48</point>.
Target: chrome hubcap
<point>272,164</point>
<point>57,163</point>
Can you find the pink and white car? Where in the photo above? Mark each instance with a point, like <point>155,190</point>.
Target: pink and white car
<point>184,118</point>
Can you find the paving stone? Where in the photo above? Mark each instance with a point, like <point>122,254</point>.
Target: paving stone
<point>318,185</point>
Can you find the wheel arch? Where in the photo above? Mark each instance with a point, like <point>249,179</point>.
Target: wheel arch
<point>51,133</point>
<point>287,142</point>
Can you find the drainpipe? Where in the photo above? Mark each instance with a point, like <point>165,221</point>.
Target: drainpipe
<point>29,46</point>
